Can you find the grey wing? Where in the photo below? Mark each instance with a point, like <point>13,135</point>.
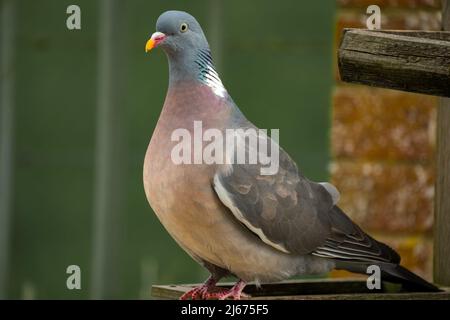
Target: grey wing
<point>348,242</point>
<point>286,210</point>
<point>293,214</point>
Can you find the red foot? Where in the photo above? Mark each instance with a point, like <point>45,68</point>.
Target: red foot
<point>235,293</point>
<point>209,291</point>
<point>200,292</point>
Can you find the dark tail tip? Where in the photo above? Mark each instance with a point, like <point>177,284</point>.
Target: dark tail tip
<point>409,280</point>
<point>392,272</point>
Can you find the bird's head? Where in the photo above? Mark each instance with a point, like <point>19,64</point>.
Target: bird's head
<point>177,32</point>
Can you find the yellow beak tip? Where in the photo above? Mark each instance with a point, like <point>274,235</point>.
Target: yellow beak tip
<point>149,45</point>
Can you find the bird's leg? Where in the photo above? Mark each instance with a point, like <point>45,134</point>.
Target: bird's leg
<point>234,293</point>
<point>202,291</point>
<point>209,291</point>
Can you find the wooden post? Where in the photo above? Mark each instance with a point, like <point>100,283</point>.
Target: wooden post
<point>442,199</point>
<point>7,30</point>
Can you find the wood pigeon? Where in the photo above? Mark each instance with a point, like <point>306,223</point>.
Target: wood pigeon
<point>229,216</point>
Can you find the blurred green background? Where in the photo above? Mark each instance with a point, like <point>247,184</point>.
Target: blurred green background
<point>275,58</point>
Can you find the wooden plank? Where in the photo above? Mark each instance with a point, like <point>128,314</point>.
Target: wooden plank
<point>441,264</point>
<point>410,61</point>
<point>7,30</point>
<point>367,296</point>
<point>433,35</point>
<point>329,289</point>
<point>285,288</point>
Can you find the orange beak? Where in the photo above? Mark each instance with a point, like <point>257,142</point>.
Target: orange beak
<point>154,41</point>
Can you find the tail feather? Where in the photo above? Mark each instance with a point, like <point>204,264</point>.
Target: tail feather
<point>392,272</point>
<point>408,279</point>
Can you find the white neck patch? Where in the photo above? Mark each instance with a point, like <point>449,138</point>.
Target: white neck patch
<point>208,75</point>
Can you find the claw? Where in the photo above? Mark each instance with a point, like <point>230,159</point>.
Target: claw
<point>201,291</point>
<point>209,291</point>
<point>235,293</point>
<point>194,293</point>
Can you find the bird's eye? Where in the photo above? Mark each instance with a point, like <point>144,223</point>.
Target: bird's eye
<point>183,27</point>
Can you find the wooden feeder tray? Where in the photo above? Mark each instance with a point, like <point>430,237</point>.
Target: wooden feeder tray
<point>317,289</point>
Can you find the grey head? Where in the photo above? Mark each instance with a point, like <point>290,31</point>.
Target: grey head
<point>182,39</point>
<point>183,33</point>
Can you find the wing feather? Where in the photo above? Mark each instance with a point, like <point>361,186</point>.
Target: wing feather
<point>293,214</point>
